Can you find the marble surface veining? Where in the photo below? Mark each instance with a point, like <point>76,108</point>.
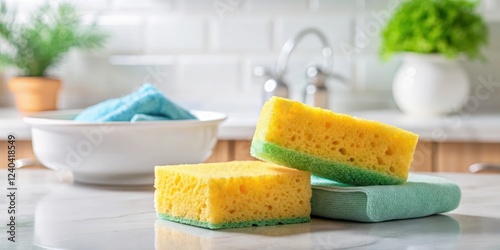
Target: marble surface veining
<point>54,213</point>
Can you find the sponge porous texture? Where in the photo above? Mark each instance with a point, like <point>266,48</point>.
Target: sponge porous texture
<point>232,194</point>
<point>331,145</point>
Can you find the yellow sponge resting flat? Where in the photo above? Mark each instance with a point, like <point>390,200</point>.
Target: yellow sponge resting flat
<point>232,194</point>
<point>334,146</point>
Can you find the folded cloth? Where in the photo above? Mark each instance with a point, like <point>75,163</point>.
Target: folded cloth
<point>143,117</point>
<point>420,196</point>
<point>147,101</point>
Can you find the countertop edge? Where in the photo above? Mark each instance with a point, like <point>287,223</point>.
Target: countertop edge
<point>474,128</point>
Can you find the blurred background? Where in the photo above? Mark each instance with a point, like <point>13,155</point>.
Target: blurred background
<point>202,53</point>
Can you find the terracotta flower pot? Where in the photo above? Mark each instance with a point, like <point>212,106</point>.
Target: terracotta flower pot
<point>35,94</point>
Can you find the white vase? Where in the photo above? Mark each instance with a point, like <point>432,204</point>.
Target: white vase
<point>430,85</point>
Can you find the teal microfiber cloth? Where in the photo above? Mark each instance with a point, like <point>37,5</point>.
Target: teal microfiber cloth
<point>420,196</point>
<point>145,104</point>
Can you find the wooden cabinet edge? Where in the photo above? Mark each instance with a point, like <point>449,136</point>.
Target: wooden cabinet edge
<point>458,156</point>
<point>423,158</point>
<point>221,152</point>
<point>23,149</point>
<point>429,156</point>
<point>242,150</point>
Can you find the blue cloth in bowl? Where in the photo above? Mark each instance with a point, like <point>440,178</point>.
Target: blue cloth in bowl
<point>145,104</point>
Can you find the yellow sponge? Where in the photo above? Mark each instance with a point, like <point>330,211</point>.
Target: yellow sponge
<point>232,194</point>
<point>331,145</point>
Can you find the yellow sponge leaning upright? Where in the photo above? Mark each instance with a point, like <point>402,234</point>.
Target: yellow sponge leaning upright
<point>331,145</point>
<point>232,194</point>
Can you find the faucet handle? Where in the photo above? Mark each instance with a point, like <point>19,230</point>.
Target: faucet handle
<point>273,86</point>
<point>315,92</point>
<point>262,71</point>
<point>318,75</point>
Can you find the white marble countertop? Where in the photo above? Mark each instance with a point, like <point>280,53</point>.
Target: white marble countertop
<point>241,125</point>
<point>52,212</point>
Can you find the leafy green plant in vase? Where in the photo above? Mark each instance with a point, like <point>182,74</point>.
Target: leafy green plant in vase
<point>432,35</point>
<point>35,46</point>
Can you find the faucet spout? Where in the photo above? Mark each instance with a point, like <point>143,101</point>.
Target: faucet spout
<point>316,92</point>
<point>291,43</point>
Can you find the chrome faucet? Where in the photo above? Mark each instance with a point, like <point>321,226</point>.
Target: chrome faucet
<point>273,86</point>
<point>290,44</point>
<point>316,92</point>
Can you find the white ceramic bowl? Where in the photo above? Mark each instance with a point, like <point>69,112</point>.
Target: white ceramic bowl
<point>120,153</point>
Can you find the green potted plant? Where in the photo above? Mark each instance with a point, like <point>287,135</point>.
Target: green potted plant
<point>432,35</point>
<point>35,46</point>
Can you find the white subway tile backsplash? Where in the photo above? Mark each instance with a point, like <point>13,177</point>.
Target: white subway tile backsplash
<point>161,76</point>
<point>24,6</point>
<point>338,31</point>
<point>124,39</point>
<point>230,8</point>
<point>349,101</point>
<point>245,35</point>
<point>106,80</point>
<point>90,5</point>
<point>172,34</point>
<point>494,36</point>
<point>250,80</point>
<point>142,60</point>
<point>485,82</point>
<point>195,5</point>
<point>369,27</point>
<point>142,4</point>
<point>209,7</point>
<point>343,72</point>
<point>208,74</point>
<point>380,5</point>
<point>373,74</point>
<point>126,33</point>
<point>120,19</point>
<point>277,6</point>
<point>489,6</point>
<point>202,53</point>
<point>367,35</point>
<point>337,6</point>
